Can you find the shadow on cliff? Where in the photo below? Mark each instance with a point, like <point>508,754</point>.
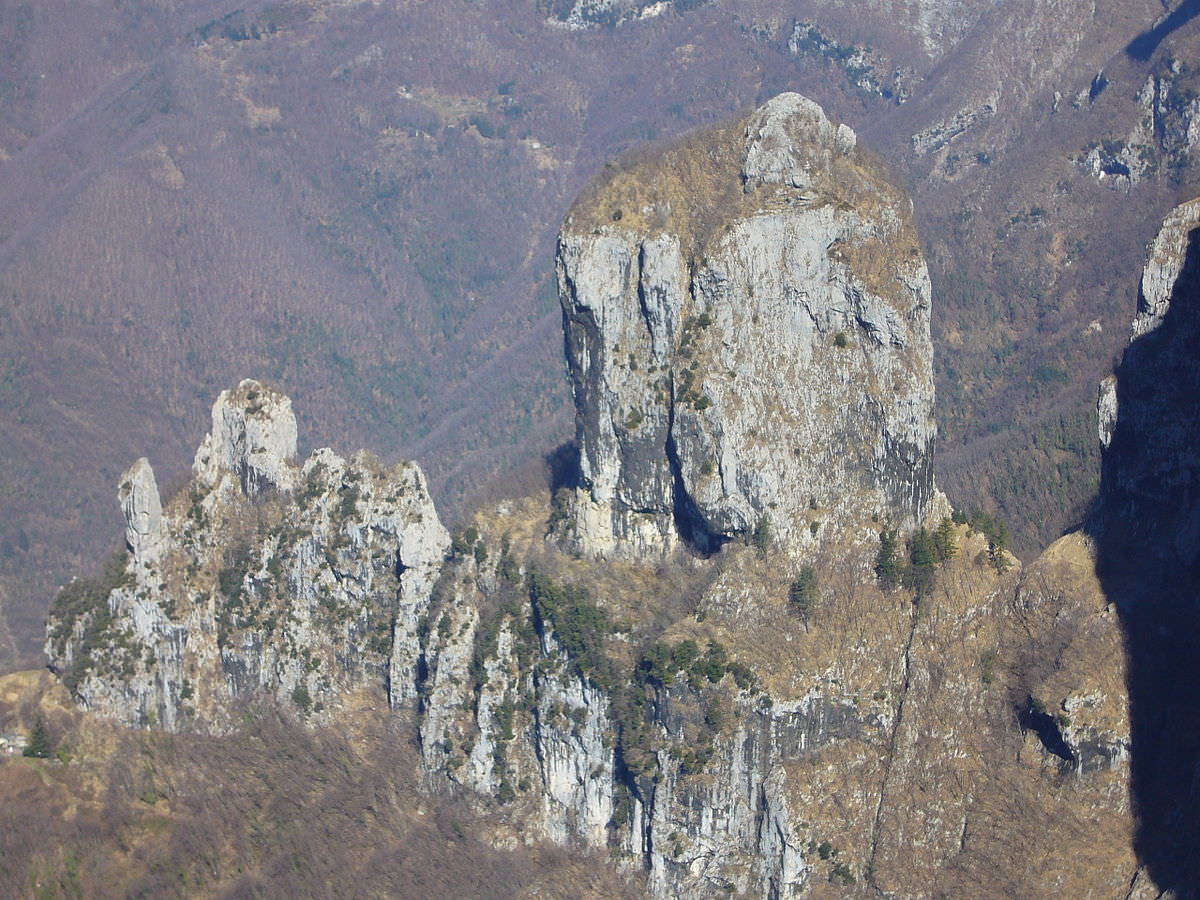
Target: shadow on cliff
<point>1143,46</point>
<point>1146,525</point>
<point>562,467</point>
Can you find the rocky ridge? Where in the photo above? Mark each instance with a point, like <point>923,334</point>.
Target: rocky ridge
<point>263,576</point>
<point>685,705</point>
<point>703,755</point>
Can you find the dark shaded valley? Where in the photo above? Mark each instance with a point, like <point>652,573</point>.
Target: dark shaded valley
<point>1146,525</point>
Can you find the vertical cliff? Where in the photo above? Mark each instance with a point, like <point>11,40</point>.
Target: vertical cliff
<point>1147,526</point>
<point>264,576</point>
<point>1148,409</point>
<point>747,331</point>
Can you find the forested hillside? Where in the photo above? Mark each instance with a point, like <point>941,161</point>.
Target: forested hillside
<point>358,202</point>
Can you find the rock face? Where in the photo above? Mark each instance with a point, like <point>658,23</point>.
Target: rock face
<point>142,509</point>
<point>790,142</point>
<point>252,443</point>
<point>580,14</point>
<point>747,323</point>
<point>262,578</point>
<point>1168,258</point>
<point>867,69</point>
<point>1165,135</point>
<point>747,326</point>
<point>1147,526</point>
<point>746,752</point>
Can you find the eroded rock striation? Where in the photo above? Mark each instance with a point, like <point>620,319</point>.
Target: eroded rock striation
<point>747,327</point>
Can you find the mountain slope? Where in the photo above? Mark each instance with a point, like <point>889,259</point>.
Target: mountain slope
<point>296,191</point>
<point>885,702</point>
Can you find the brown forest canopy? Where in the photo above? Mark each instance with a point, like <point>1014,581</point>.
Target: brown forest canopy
<point>358,202</point>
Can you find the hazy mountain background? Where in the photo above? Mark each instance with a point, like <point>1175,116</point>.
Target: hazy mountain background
<point>357,201</point>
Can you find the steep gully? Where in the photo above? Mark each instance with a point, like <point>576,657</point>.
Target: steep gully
<point>890,755</point>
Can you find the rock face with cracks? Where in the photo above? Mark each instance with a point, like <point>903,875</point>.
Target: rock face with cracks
<point>747,330</point>
<point>252,441</point>
<point>142,508</point>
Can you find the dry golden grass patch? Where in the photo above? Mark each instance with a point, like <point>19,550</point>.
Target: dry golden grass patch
<point>1063,607</point>
<point>693,188</point>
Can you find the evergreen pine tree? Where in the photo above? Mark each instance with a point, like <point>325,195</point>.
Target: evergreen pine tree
<point>921,571</point>
<point>887,562</point>
<point>39,740</point>
<point>943,541</point>
<point>804,592</point>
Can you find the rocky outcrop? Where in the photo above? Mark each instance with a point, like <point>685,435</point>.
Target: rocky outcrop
<point>1148,410</point>
<point>866,69</point>
<point>1146,526</point>
<point>263,577</point>
<point>580,14</point>
<point>1165,265</point>
<point>877,743</point>
<point>1163,274</point>
<point>252,444</point>
<point>747,328</point>
<point>747,323</point>
<point>1163,140</point>
<point>941,134</point>
<point>1106,410</point>
<point>142,508</point>
<point>790,142</point>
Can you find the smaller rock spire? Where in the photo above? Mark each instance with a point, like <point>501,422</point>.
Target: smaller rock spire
<point>253,439</point>
<point>142,508</point>
<point>790,140</point>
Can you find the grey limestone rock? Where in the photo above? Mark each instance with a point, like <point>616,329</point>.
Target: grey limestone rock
<point>938,135</point>
<point>1106,410</point>
<point>751,348</point>
<point>1164,265</point>
<point>142,509</point>
<point>747,331</point>
<point>235,592</point>
<point>252,442</point>
<point>788,139</point>
<point>1165,135</point>
<point>1148,410</point>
